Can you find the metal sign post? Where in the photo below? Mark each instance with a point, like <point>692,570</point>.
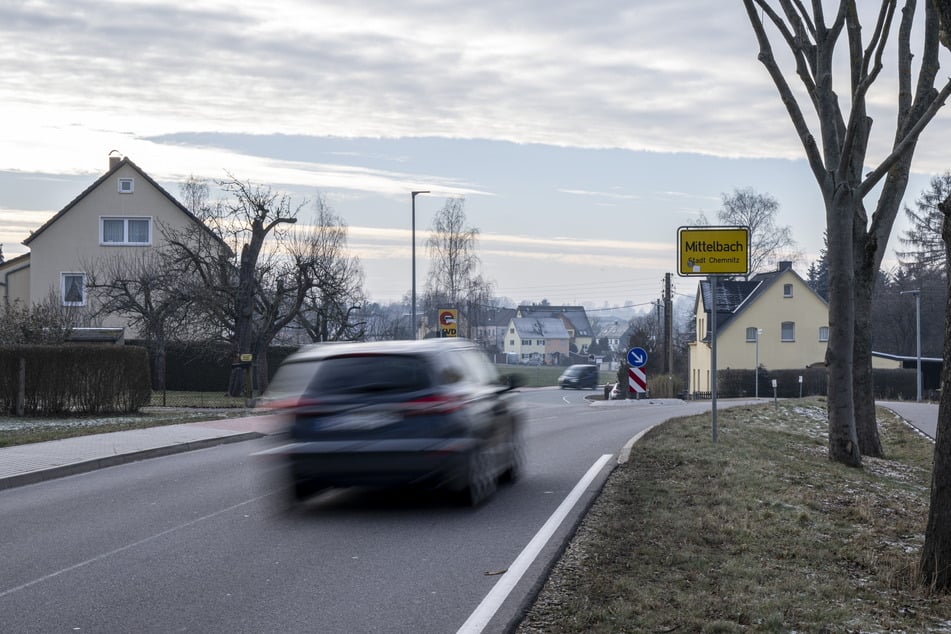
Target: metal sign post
<point>713,354</point>
<point>713,251</point>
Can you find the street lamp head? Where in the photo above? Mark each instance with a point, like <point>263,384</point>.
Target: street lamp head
<point>416,193</point>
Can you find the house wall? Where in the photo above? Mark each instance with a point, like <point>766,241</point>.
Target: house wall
<point>512,342</point>
<point>556,346</point>
<point>533,344</point>
<point>805,309</point>
<point>16,281</point>
<point>72,242</point>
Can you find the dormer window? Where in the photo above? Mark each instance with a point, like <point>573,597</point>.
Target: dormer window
<point>125,231</point>
<point>126,185</point>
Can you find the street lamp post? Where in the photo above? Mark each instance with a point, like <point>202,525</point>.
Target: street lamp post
<point>759,331</point>
<point>917,294</point>
<point>413,197</point>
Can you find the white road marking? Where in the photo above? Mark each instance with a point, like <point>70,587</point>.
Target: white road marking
<point>102,556</point>
<point>501,590</point>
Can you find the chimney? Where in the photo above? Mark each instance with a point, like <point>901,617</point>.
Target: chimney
<point>114,159</point>
<point>785,265</point>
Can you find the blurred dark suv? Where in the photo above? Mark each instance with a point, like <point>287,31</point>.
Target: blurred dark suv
<point>579,376</point>
<point>398,413</point>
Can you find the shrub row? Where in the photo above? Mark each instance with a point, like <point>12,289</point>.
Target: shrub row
<point>205,367</point>
<point>74,379</point>
<point>891,384</point>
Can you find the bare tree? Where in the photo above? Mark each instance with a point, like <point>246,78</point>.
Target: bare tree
<point>838,158</point>
<point>768,241</point>
<point>387,321</point>
<point>46,322</point>
<point>196,196</point>
<point>333,305</point>
<point>251,281</point>
<point>454,278</point>
<point>142,287</point>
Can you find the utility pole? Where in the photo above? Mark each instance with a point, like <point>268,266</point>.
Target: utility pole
<point>668,327</point>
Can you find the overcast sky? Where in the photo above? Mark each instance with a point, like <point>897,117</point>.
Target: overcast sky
<point>581,134</point>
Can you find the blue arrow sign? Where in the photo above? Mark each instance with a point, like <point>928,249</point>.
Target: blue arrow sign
<point>637,357</point>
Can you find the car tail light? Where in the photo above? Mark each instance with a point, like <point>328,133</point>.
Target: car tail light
<point>291,403</point>
<point>434,404</point>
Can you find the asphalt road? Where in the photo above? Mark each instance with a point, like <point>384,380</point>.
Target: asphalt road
<point>200,542</point>
<point>924,416</point>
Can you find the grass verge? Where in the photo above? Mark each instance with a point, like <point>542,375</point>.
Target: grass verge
<point>182,407</point>
<point>758,533</point>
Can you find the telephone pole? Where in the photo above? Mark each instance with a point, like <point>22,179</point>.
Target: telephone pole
<point>668,327</point>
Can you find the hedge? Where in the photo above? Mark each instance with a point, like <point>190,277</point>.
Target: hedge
<point>73,379</point>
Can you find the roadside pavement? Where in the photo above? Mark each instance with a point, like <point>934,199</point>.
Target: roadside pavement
<point>36,462</point>
<point>923,416</point>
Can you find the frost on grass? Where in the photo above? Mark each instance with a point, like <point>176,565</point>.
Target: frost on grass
<point>150,415</point>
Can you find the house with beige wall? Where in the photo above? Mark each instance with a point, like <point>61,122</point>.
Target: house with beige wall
<point>537,340</point>
<point>121,213</point>
<point>574,318</point>
<point>15,280</point>
<point>774,318</point>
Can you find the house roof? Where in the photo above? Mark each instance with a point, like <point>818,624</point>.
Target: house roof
<point>112,170</point>
<point>614,329</point>
<point>503,316</point>
<point>575,315</point>
<point>547,327</point>
<point>23,258</point>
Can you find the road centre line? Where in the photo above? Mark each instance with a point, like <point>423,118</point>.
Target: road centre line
<point>116,551</point>
<point>501,590</point>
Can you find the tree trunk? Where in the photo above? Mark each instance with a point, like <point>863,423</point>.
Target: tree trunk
<point>866,423</point>
<point>935,565</point>
<point>244,308</point>
<point>843,441</point>
<point>159,356</point>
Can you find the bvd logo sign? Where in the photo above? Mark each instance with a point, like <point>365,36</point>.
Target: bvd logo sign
<point>448,318</point>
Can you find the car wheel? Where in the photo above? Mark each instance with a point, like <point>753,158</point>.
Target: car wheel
<point>516,462</point>
<point>303,489</point>
<point>481,479</point>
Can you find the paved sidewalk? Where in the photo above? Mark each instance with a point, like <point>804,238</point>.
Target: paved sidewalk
<point>26,464</point>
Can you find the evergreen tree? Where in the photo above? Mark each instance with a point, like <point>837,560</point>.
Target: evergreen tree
<point>923,241</point>
<point>817,277</point>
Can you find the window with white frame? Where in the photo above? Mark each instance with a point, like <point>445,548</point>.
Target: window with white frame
<point>125,231</point>
<point>126,185</point>
<point>73,289</point>
<point>751,333</point>
<point>788,331</point>
<point>823,333</point>
<point>787,290</point>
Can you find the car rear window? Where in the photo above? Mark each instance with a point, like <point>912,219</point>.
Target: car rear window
<point>375,373</point>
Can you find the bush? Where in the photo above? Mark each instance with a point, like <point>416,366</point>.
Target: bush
<point>888,384</point>
<point>206,367</point>
<point>74,379</point>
